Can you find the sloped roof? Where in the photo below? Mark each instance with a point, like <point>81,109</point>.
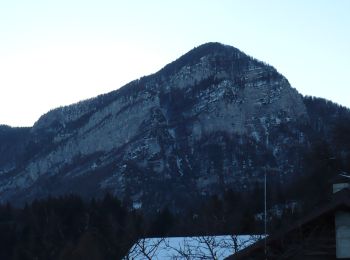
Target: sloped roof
<point>201,247</point>
<point>340,201</point>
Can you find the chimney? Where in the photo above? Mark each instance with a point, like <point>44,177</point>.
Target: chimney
<point>342,221</point>
<point>339,186</point>
<point>341,182</point>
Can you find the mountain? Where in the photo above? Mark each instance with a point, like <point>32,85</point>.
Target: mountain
<point>214,119</point>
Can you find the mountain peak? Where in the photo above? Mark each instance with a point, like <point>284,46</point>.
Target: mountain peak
<point>167,128</point>
<point>194,55</point>
<point>212,48</point>
<point>219,55</point>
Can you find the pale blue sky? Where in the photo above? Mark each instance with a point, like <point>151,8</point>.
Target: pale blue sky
<point>54,53</point>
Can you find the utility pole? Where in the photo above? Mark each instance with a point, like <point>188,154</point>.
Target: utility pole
<point>265,203</point>
<point>265,215</point>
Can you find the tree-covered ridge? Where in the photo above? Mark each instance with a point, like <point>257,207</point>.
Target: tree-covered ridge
<point>70,228</point>
<point>67,228</point>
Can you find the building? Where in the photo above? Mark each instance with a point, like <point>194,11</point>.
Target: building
<point>322,234</point>
<point>200,247</point>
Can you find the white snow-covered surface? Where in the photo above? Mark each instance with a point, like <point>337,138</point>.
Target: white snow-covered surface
<point>203,247</point>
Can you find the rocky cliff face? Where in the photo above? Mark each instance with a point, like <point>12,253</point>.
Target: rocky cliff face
<point>208,121</point>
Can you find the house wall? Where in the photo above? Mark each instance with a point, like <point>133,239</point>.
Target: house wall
<point>342,227</point>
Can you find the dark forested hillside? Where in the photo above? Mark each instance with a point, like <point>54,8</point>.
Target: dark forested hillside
<point>68,228</point>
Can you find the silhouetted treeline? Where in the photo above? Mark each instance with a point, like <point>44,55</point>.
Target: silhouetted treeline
<point>69,228</point>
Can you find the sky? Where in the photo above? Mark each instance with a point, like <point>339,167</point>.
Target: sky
<point>55,53</point>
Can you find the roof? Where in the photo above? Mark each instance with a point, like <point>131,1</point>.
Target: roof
<point>340,178</point>
<point>340,201</point>
<point>201,247</point>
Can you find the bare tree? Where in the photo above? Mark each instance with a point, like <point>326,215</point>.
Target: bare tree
<point>144,248</point>
<point>202,247</point>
